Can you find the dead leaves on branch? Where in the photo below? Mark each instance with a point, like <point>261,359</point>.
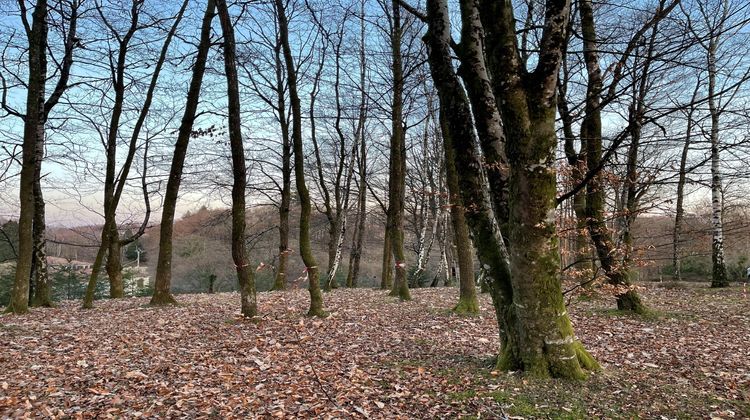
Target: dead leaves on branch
<point>373,357</point>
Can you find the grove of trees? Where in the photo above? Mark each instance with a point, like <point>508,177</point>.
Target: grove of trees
<point>519,147</point>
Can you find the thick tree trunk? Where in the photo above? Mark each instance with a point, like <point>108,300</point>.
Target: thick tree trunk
<point>460,147</point>
<point>316,298</point>
<point>397,166</point>
<point>32,134</point>
<point>543,332</point>
<point>245,274</point>
<point>114,266</point>
<point>163,279</point>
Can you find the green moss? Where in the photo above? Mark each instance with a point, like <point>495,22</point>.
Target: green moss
<point>467,307</point>
<point>462,395</point>
<point>585,359</point>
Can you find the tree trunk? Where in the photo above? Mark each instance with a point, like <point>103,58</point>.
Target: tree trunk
<point>245,274</point>
<point>719,273</point>
<point>162,294</point>
<point>279,282</point>
<point>361,223</point>
<point>543,333</point>
<point>42,288</point>
<point>583,263</point>
<point>33,133</point>
<point>114,266</point>
<point>397,164</point>
<point>680,208</point>
<point>467,300</point>
<point>316,298</point>
<point>591,130</point>
<point>386,272</point>
<point>114,183</point>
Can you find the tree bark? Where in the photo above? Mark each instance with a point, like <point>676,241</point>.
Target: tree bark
<point>33,133</point>
<point>719,272</point>
<point>280,276</point>
<point>162,294</point>
<point>41,296</point>
<point>114,266</point>
<point>591,130</point>
<point>468,304</point>
<point>245,275</point>
<point>397,164</point>
<point>311,266</point>
<point>527,102</point>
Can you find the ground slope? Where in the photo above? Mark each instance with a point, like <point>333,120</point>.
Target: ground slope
<point>374,357</point>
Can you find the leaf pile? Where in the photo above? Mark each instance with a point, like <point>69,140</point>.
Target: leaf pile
<point>372,358</point>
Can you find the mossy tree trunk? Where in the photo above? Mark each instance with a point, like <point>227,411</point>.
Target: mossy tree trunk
<point>527,103</point>
<point>460,146</point>
<point>591,130</point>
<point>467,299</point>
<point>41,295</point>
<point>316,297</point>
<point>245,274</point>
<point>32,131</point>
<point>397,164</point>
<point>163,279</point>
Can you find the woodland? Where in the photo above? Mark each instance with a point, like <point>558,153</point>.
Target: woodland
<point>374,208</point>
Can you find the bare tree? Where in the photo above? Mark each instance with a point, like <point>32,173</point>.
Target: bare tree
<point>162,294</point>
<point>311,266</point>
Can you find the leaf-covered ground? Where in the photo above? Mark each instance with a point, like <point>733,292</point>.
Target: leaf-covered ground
<point>374,357</point>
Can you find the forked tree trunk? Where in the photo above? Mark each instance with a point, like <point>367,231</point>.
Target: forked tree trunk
<point>245,274</point>
<point>163,279</point>
<point>542,331</point>
<point>114,183</point>
<point>316,297</point>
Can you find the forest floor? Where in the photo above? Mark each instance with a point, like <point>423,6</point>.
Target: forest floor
<point>373,357</point>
